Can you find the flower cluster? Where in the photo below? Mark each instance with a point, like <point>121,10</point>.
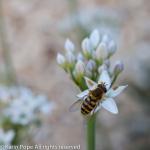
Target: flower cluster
<point>22,106</point>
<point>6,137</point>
<point>92,65</point>
<point>88,18</point>
<point>20,109</point>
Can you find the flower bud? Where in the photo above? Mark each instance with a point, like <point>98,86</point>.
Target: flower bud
<point>105,39</point>
<point>69,46</point>
<point>118,68</point>
<point>107,63</point>
<point>101,51</point>
<point>111,48</point>
<point>94,38</point>
<point>80,57</point>
<point>91,65</point>
<point>60,59</point>
<point>70,57</point>
<point>79,68</point>
<point>86,47</point>
<point>101,68</point>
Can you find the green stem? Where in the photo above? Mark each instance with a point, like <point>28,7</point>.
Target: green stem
<point>90,135</point>
<point>114,79</point>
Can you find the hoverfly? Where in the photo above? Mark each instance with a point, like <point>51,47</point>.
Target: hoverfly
<point>90,100</point>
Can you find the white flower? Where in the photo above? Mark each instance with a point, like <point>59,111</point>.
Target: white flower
<point>118,67</point>
<point>70,57</point>
<point>79,68</point>
<point>80,57</point>
<point>69,46</point>
<point>112,48</point>
<point>86,47</point>
<point>60,59</point>
<point>6,137</point>
<point>94,38</point>
<point>105,39</point>
<point>107,100</point>
<point>91,65</point>
<point>25,107</point>
<point>101,51</point>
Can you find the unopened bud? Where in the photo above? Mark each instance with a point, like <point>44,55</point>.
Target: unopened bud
<point>69,46</point>
<point>60,59</point>
<point>86,47</point>
<point>91,65</point>
<point>111,48</point>
<point>80,57</point>
<point>118,68</point>
<point>70,57</point>
<point>105,39</point>
<point>94,38</point>
<point>79,68</point>
<point>101,51</point>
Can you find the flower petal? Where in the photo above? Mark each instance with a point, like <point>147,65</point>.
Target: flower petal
<point>110,105</point>
<point>95,38</point>
<point>104,77</point>
<point>116,92</point>
<point>91,84</point>
<point>82,94</point>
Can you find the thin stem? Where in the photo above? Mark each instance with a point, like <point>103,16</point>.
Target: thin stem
<point>114,79</point>
<point>90,135</point>
<point>10,73</point>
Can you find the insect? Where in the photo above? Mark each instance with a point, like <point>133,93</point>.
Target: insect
<point>90,100</point>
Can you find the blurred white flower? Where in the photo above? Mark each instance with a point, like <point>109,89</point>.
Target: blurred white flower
<point>70,57</point>
<point>118,67</point>
<point>95,38</point>
<point>24,107</point>
<point>101,51</point>
<point>111,48</point>
<point>101,18</point>
<point>79,68</point>
<point>61,59</point>
<point>6,137</point>
<point>69,46</point>
<point>86,47</point>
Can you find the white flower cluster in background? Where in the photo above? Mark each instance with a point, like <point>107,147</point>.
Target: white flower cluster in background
<point>6,137</point>
<point>100,17</point>
<point>22,106</point>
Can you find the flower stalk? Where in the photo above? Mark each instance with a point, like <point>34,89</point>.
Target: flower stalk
<point>90,133</point>
<point>90,69</point>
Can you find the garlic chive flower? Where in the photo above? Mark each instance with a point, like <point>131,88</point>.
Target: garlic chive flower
<point>118,68</point>
<point>69,46</point>
<point>107,101</point>
<point>94,38</point>
<point>61,59</point>
<point>79,69</point>
<point>86,48</point>
<point>93,61</point>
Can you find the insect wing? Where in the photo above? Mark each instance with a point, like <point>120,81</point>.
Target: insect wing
<point>76,105</point>
<point>83,94</point>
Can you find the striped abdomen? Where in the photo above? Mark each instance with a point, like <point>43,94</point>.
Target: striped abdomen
<point>88,105</point>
